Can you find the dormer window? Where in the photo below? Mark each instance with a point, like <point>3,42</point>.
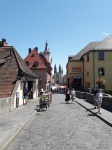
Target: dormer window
<point>32,55</point>
<point>36,64</point>
<point>27,63</point>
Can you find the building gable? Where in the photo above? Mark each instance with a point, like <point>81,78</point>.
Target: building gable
<point>34,57</point>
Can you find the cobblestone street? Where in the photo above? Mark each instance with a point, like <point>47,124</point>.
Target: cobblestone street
<point>64,127</point>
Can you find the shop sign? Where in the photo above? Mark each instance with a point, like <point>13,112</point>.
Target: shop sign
<point>76,69</point>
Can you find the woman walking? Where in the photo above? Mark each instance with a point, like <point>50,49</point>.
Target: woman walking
<point>99,97</point>
<point>67,95</point>
<point>73,94</point>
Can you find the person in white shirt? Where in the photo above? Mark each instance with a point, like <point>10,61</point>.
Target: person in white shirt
<point>99,97</point>
<point>73,94</point>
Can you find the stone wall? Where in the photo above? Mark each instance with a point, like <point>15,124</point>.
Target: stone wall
<point>80,95</point>
<point>106,101</point>
<point>6,105</point>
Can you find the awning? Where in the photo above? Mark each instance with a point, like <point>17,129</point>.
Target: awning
<point>63,87</point>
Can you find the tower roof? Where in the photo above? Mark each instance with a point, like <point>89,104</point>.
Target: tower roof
<point>46,51</point>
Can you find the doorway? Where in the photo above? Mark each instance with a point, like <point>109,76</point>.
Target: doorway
<point>77,84</point>
<point>30,89</point>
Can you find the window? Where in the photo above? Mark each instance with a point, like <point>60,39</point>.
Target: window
<point>27,63</point>
<point>36,64</point>
<point>87,57</point>
<point>102,70</point>
<point>101,55</point>
<point>32,55</point>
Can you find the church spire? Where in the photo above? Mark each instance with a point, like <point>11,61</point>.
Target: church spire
<point>46,46</point>
<point>62,71</point>
<point>55,69</point>
<point>59,68</point>
<point>46,52</point>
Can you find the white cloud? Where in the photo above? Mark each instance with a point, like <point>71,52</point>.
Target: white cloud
<point>104,33</point>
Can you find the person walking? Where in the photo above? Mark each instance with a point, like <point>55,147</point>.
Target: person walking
<point>73,94</point>
<point>95,92</point>
<point>25,94</point>
<point>99,97</point>
<point>89,90</point>
<point>67,95</point>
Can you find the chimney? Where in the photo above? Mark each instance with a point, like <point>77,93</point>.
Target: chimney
<point>29,50</point>
<point>3,43</point>
<point>36,49</point>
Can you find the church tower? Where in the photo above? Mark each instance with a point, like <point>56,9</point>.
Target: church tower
<point>55,72</point>
<point>60,73</point>
<point>46,52</point>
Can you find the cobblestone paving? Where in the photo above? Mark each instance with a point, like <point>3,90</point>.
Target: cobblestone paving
<point>64,127</point>
<point>10,123</point>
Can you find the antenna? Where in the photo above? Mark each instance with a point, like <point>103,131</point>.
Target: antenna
<point>1,32</point>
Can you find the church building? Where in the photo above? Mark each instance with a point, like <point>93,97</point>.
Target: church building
<point>58,75</point>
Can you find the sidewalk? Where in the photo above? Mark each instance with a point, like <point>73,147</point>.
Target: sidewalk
<point>105,115</point>
<point>12,123</point>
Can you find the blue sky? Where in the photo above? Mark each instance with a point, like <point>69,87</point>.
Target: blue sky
<point>68,25</point>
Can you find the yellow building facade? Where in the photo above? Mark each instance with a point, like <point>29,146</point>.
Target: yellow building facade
<point>93,62</point>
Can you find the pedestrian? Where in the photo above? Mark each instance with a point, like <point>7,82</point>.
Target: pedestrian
<point>99,97</point>
<point>89,90</point>
<point>95,92</point>
<point>73,94</point>
<point>67,98</point>
<point>41,91</point>
<point>25,94</point>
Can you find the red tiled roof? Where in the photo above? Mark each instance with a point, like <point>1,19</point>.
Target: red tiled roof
<point>32,57</point>
<point>11,66</point>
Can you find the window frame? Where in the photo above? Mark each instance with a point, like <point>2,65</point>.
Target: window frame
<point>102,70</point>
<point>100,55</point>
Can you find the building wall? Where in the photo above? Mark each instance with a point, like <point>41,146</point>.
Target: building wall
<point>88,71</point>
<point>107,65</point>
<point>43,75</point>
<point>92,68</point>
<point>74,73</point>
